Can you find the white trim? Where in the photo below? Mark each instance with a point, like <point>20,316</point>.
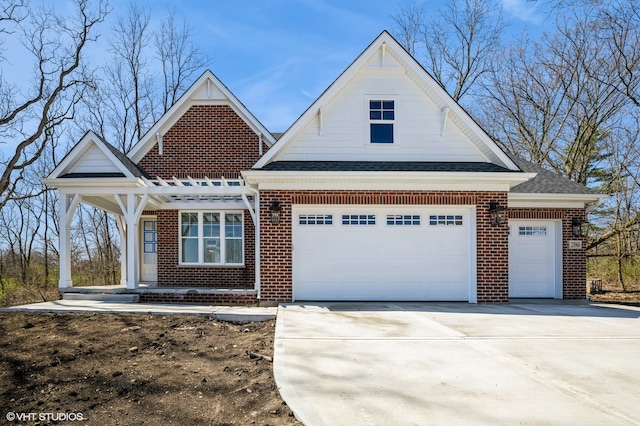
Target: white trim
<point>200,238</point>
<point>76,153</point>
<point>540,200</point>
<point>169,118</point>
<point>423,80</point>
<point>444,116</point>
<point>462,181</point>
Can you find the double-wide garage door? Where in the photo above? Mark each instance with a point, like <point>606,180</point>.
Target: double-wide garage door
<point>382,253</point>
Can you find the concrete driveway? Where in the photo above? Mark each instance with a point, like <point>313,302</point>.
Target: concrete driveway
<point>449,363</point>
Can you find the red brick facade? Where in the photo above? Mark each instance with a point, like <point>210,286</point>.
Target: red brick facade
<point>574,261</point>
<point>172,274</point>
<point>276,240</point>
<point>208,140</point>
<point>492,240</point>
<point>198,298</point>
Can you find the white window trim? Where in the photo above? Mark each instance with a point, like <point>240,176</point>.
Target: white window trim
<point>368,121</point>
<point>223,239</point>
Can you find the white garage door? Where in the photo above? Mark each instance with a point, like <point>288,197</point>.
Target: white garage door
<point>381,253</point>
<point>534,259</point>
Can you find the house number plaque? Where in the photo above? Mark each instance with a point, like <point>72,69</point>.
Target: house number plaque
<point>575,245</point>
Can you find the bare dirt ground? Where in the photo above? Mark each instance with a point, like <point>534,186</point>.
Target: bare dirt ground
<point>108,369</point>
<point>612,293</point>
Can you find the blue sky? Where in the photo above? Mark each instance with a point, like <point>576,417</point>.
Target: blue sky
<point>277,56</point>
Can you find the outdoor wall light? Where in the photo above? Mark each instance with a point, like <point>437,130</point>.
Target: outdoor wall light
<point>496,211</point>
<point>576,226</point>
<point>274,210</point>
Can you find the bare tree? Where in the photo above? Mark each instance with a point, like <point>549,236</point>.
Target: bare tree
<point>134,95</point>
<point>546,106</point>
<point>130,90</point>
<point>459,44</point>
<point>409,22</point>
<point>179,57</point>
<point>60,78</point>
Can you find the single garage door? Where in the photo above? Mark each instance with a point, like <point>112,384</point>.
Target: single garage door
<point>534,259</point>
<point>381,253</point>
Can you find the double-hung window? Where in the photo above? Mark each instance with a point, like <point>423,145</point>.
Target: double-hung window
<point>211,238</point>
<point>382,116</point>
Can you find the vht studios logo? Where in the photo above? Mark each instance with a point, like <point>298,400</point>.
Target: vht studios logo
<point>44,417</point>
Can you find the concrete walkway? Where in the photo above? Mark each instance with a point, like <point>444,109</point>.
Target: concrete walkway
<point>223,313</point>
<point>449,364</point>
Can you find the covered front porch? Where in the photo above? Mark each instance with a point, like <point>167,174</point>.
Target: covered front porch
<point>135,202</point>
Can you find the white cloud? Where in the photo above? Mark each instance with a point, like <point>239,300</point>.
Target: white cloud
<point>523,10</point>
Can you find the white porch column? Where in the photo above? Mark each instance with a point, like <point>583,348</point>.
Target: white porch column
<point>132,210</point>
<point>123,248</point>
<point>67,208</point>
<point>132,239</point>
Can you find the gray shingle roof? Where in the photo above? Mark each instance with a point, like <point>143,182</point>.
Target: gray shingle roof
<point>546,181</point>
<point>382,166</point>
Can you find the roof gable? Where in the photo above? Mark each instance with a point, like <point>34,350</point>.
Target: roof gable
<point>206,90</point>
<point>436,128</point>
<point>93,157</point>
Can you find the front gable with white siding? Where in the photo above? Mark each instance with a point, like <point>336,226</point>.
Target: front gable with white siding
<point>426,124</point>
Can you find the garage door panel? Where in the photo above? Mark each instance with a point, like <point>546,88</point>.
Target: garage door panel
<point>532,259</point>
<point>400,257</point>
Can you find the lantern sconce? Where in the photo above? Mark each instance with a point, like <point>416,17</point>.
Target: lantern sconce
<point>275,210</point>
<point>496,211</point>
<point>576,226</point>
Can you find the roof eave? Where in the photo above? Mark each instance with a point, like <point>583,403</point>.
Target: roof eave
<point>553,200</point>
<point>95,182</point>
<point>502,181</point>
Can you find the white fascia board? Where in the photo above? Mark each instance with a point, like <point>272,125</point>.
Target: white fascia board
<point>72,156</point>
<point>198,190</point>
<point>417,70</point>
<point>468,181</point>
<point>454,107</point>
<point>323,99</point>
<point>569,201</point>
<point>176,111</point>
<point>111,185</point>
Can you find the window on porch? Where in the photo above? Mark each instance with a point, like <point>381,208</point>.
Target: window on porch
<point>211,238</point>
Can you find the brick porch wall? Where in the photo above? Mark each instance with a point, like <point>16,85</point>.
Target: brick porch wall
<point>574,261</point>
<point>276,240</point>
<point>171,274</point>
<point>200,299</point>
